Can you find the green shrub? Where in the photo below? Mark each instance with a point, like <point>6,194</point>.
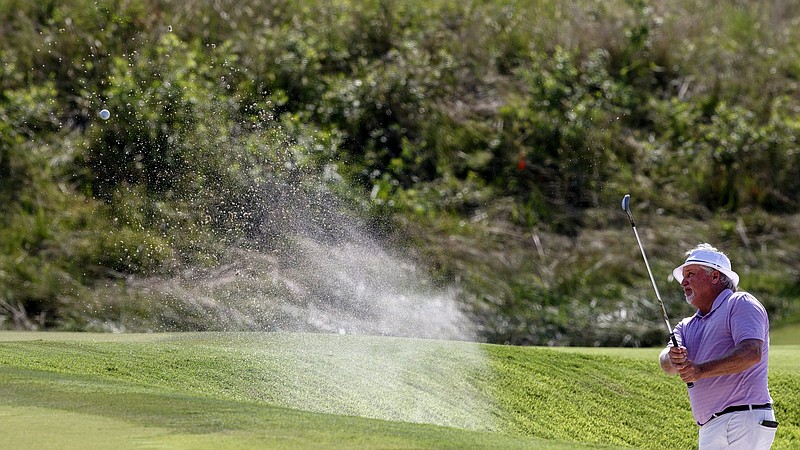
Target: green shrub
<point>510,118</point>
<point>735,162</point>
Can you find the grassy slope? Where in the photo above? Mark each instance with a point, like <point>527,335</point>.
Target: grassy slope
<point>786,335</point>
<point>299,390</point>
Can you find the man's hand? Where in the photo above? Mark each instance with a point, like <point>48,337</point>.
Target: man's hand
<point>665,359</point>
<point>675,361</point>
<point>678,357</point>
<point>687,369</point>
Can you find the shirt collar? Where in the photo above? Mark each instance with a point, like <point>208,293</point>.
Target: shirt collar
<point>721,298</point>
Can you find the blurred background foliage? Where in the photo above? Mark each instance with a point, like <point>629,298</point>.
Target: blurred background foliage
<point>491,140</point>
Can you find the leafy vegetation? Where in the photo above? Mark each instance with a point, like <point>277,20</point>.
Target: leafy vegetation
<point>267,389</point>
<point>491,141</point>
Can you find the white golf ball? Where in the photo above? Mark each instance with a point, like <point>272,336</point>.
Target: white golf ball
<point>104,114</point>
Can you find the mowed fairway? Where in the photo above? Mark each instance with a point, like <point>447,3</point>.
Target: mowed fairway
<point>263,390</point>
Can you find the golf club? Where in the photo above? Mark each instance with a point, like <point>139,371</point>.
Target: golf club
<point>626,206</point>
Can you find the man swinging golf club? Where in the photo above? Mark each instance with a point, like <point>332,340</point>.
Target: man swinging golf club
<point>723,349</point>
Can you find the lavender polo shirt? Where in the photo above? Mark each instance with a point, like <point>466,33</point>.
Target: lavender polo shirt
<point>733,318</point>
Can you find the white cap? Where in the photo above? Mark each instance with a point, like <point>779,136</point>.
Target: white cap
<point>708,258</point>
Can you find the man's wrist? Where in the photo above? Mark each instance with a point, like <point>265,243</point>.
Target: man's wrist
<point>700,369</point>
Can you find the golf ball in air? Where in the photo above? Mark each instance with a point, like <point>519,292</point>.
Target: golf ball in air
<point>104,114</point>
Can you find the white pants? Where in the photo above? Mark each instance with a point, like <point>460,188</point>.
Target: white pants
<point>738,430</point>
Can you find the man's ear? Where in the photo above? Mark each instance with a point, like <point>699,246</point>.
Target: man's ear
<point>715,277</point>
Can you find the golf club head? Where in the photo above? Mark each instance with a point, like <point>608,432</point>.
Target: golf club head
<point>626,206</point>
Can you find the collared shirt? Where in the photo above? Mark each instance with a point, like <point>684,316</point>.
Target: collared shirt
<point>733,318</point>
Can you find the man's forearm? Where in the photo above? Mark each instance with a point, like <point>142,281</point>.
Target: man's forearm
<point>666,364</point>
<point>740,358</point>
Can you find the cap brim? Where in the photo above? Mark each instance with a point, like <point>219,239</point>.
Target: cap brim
<point>678,272</point>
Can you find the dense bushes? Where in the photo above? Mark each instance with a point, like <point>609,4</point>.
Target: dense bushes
<point>515,115</point>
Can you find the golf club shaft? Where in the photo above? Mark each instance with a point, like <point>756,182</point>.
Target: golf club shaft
<point>655,288</point>
<point>626,208</point>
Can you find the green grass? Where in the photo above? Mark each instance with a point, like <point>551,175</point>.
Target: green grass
<point>787,335</point>
<point>129,416</point>
<point>225,390</point>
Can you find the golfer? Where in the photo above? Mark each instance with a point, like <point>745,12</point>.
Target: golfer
<point>723,349</point>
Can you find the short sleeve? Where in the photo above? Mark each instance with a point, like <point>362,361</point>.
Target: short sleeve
<point>748,318</point>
